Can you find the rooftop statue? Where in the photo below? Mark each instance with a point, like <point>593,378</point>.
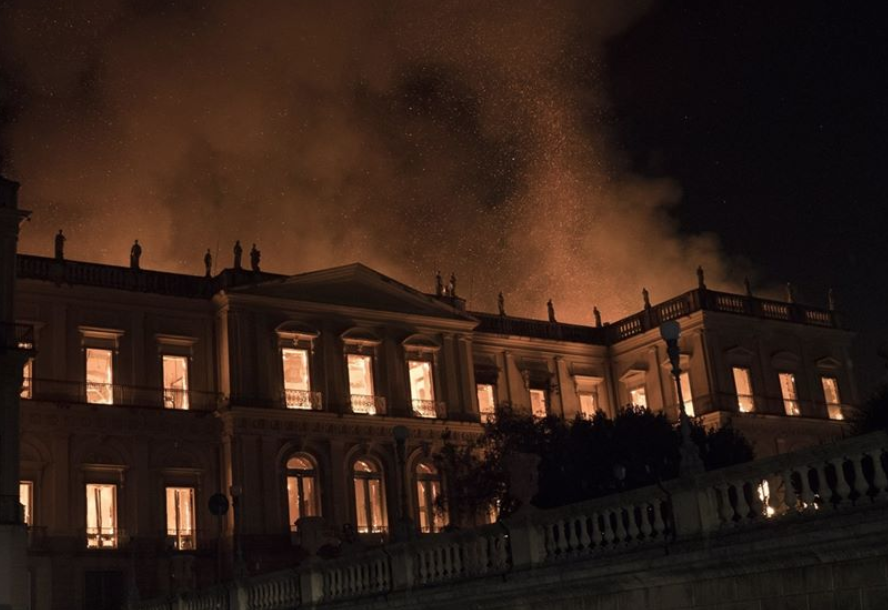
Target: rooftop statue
<point>501,304</point>
<point>60,246</point>
<point>208,263</point>
<point>135,255</point>
<point>238,253</point>
<point>551,307</point>
<point>255,255</point>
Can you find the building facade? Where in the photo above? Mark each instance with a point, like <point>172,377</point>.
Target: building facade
<point>325,395</point>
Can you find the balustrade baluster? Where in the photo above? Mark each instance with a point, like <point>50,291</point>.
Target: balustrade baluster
<point>757,499</point>
<point>457,561</point>
<point>585,540</point>
<point>550,546</point>
<point>573,542</point>
<point>609,533</point>
<point>447,565</point>
<point>621,527</point>
<point>843,489</point>
<point>633,526</point>
<point>659,523</point>
<point>880,481</point>
<point>597,536</point>
<point>743,509</point>
<point>789,495</point>
<point>725,509</point>
<point>861,485</point>
<point>823,488</point>
<point>807,492</point>
<point>646,529</point>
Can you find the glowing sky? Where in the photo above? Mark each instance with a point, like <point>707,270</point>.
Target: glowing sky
<point>410,136</point>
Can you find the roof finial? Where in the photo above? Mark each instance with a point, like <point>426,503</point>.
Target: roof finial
<point>439,284</point>
<point>551,307</point>
<point>647,298</point>
<point>60,246</point>
<point>597,315</point>
<point>748,286</point>
<point>501,303</point>
<point>790,293</point>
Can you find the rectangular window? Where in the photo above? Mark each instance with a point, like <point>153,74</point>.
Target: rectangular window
<point>538,402</point>
<point>486,401</point>
<point>422,390</point>
<point>360,382</point>
<point>175,382</point>
<point>28,379</point>
<point>297,379</point>
<point>588,403</point>
<point>789,393</point>
<point>26,498</point>
<point>831,395</point>
<point>638,396</point>
<point>684,381</point>
<point>99,376</point>
<point>180,518</point>
<point>743,387</point>
<point>101,516</point>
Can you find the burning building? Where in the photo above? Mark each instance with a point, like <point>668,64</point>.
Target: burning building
<point>144,394</point>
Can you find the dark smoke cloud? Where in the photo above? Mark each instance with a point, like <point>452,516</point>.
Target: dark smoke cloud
<point>412,136</point>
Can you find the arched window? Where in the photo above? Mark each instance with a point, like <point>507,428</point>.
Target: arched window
<point>369,497</point>
<point>302,488</point>
<point>428,488</point>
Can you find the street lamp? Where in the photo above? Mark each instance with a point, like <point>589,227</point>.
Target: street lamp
<point>690,456</point>
<point>239,566</point>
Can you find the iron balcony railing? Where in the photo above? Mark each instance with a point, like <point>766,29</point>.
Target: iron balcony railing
<point>16,336</point>
<point>53,390</point>
<point>430,409</point>
<point>368,404</point>
<point>303,399</point>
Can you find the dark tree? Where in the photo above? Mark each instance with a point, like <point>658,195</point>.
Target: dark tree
<point>579,460</point>
<point>872,415</point>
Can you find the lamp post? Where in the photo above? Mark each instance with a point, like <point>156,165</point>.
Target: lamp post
<point>690,457</point>
<point>239,566</point>
<point>404,528</point>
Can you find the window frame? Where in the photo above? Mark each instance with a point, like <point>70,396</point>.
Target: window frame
<point>486,416</point>
<point>185,392</point>
<point>747,371</point>
<point>833,409</point>
<point>365,480</point>
<point>99,536</point>
<point>177,537</point>
<point>299,475</point>
<point>791,406</point>
<point>427,487</point>
<point>109,384</point>
<point>308,401</point>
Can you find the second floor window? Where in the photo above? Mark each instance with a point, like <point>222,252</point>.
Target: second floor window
<point>685,381</point>
<point>422,390</point>
<point>175,382</point>
<point>588,403</point>
<point>101,516</point>
<point>638,396</point>
<point>369,500</point>
<point>99,376</point>
<point>28,379</point>
<point>302,489</point>
<point>297,379</point>
<point>486,401</point>
<point>180,518</point>
<point>360,382</point>
<point>539,406</point>
<point>743,387</point>
<point>26,498</point>
<point>832,398</point>
<point>789,394</point>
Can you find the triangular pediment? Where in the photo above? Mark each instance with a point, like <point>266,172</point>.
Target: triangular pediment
<point>354,285</point>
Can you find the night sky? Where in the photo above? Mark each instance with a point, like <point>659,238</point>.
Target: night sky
<point>568,150</point>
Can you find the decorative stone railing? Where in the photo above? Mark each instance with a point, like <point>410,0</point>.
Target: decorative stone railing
<point>429,409</point>
<point>16,336</point>
<point>845,476</point>
<point>303,399</point>
<point>368,404</point>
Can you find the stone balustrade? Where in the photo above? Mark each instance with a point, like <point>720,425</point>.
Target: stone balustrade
<point>813,483</point>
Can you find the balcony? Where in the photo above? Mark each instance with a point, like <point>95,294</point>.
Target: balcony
<point>368,404</point>
<point>303,399</point>
<point>16,336</point>
<point>53,390</point>
<point>102,537</point>
<point>429,409</point>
